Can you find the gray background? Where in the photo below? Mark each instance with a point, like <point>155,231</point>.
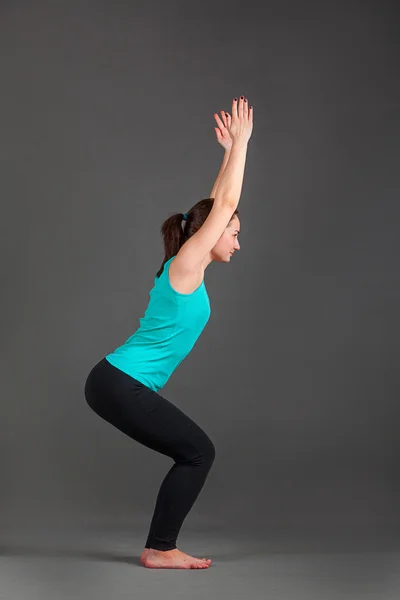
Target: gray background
<point>107,129</point>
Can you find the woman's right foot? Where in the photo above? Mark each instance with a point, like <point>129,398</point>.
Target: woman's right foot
<point>173,559</point>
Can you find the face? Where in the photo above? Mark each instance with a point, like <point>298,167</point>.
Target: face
<point>228,243</point>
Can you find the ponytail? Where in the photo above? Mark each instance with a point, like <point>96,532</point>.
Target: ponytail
<point>175,230</point>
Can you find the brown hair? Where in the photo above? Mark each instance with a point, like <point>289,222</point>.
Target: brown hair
<point>174,235</point>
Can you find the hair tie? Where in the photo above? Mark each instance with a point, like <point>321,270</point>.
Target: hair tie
<point>185,217</point>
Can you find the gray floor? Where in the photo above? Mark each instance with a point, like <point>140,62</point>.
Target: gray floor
<point>103,563</point>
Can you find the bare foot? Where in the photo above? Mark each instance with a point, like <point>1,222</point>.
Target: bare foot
<point>146,551</point>
<point>172,559</point>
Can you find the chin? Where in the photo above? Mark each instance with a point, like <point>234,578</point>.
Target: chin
<point>223,258</point>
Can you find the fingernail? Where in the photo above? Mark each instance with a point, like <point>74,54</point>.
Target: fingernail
<point>245,99</point>
<point>241,97</point>
<point>226,114</point>
<point>235,99</point>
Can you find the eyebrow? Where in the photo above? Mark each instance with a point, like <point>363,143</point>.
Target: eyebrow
<point>238,230</point>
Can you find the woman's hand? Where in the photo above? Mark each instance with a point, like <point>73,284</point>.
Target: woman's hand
<point>240,126</point>
<point>222,132</point>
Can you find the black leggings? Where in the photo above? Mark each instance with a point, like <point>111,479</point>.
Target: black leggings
<point>150,419</point>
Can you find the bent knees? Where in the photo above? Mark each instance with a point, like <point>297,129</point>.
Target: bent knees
<point>205,454</point>
<point>210,452</point>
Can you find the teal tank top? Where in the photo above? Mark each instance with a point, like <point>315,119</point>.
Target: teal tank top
<point>168,331</point>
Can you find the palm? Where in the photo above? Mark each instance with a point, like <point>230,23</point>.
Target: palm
<point>221,131</point>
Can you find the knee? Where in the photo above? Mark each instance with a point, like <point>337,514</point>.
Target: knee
<point>201,454</point>
<point>208,452</point>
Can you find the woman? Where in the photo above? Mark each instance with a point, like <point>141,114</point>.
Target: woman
<point>123,387</point>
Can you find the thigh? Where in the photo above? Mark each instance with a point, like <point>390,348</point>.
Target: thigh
<point>173,432</point>
<point>144,415</point>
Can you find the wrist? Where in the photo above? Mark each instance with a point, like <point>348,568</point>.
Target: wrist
<point>239,143</point>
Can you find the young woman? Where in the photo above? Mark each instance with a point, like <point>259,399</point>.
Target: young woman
<point>123,387</point>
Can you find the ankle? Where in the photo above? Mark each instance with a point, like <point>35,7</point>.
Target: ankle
<point>174,550</point>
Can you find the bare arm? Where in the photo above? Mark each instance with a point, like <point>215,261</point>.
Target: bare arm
<point>222,169</point>
<point>231,181</point>
<point>190,258</point>
<point>240,128</point>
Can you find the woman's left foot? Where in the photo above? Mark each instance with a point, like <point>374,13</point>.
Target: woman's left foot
<point>145,553</point>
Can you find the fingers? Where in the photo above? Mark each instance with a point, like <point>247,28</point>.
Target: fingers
<point>246,109</point>
<point>220,124</point>
<point>241,124</point>
<point>224,121</point>
<point>250,112</point>
<point>218,132</point>
<point>234,109</point>
<point>241,120</point>
<point>241,108</point>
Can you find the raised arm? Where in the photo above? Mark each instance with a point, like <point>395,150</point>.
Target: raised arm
<point>225,140</point>
<point>190,258</point>
<point>240,130</point>
<point>222,169</point>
